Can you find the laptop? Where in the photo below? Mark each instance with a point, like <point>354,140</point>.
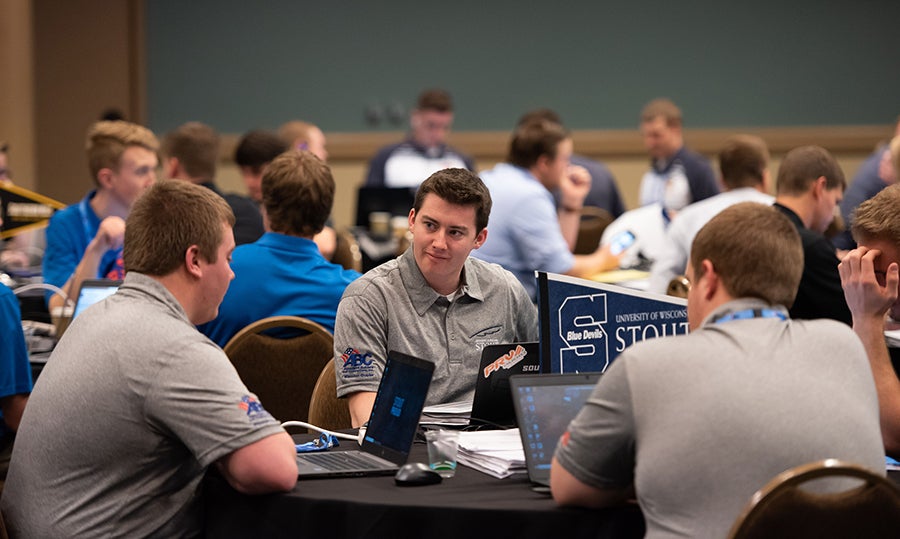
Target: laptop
<point>544,405</point>
<point>92,291</point>
<point>391,427</point>
<point>493,403</point>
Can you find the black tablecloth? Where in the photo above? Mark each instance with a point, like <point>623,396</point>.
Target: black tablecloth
<point>469,504</point>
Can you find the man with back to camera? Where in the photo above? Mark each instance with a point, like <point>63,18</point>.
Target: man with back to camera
<point>425,151</point>
<point>809,186</point>
<point>190,153</point>
<point>84,241</point>
<point>869,276</point>
<point>676,173</point>
<point>135,404</point>
<point>283,272</point>
<point>744,163</point>
<point>434,301</point>
<point>528,233</point>
<point>695,424</point>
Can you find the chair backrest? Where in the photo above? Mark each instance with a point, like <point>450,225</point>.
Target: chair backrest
<point>869,508</point>
<point>325,409</point>
<point>679,286</point>
<point>281,371</point>
<point>346,251</point>
<point>593,222</point>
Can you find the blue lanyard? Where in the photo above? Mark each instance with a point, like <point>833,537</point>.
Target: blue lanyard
<point>748,314</point>
<point>83,211</point>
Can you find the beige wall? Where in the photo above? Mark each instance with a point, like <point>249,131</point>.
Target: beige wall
<point>16,89</point>
<point>628,170</point>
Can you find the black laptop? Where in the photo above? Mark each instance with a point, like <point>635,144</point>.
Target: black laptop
<point>93,291</point>
<point>544,405</point>
<point>391,428</point>
<point>492,404</point>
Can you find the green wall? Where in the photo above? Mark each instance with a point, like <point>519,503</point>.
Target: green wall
<point>239,65</point>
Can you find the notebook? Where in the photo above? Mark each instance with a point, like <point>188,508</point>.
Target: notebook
<point>92,291</point>
<point>544,405</point>
<point>493,399</point>
<point>391,427</point>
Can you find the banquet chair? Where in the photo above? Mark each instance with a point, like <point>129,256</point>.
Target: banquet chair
<point>870,507</point>
<point>593,222</point>
<point>281,371</point>
<point>346,251</point>
<point>325,409</point>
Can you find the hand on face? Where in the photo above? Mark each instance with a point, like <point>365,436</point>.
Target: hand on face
<point>869,294</point>
<point>110,233</point>
<point>574,186</point>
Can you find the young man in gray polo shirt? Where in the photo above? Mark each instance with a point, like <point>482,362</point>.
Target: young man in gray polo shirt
<point>135,404</point>
<point>694,424</point>
<point>433,301</point>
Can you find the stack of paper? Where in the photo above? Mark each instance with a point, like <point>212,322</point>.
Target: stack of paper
<point>451,414</point>
<point>495,452</point>
<point>892,338</point>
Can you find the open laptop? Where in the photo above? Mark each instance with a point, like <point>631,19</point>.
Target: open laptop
<point>92,291</point>
<point>391,427</point>
<point>493,403</point>
<point>544,405</point>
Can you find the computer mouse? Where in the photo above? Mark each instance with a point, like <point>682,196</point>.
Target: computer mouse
<point>413,474</point>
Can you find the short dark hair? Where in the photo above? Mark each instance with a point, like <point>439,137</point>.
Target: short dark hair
<point>460,187</point>
<point>755,250</point>
<point>537,115</point>
<point>258,148</point>
<point>196,146</point>
<point>804,165</point>
<point>743,161</point>
<point>435,99</point>
<point>534,139</point>
<point>297,192</point>
<point>878,218</point>
<point>662,108</point>
<point>166,220</point>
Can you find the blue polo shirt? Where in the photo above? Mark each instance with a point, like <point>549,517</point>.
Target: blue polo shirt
<point>15,370</point>
<point>279,275</point>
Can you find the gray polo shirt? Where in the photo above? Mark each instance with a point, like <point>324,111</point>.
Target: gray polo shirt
<point>392,308</point>
<point>132,408</point>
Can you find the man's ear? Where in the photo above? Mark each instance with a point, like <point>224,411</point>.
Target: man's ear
<point>104,177</point>
<point>412,218</point>
<point>192,261</point>
<point>171,168</point>
<point>710,281</point>
<point>820,185</point>
<point>481,238</point>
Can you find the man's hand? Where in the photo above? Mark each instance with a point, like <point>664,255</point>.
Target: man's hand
<point>110,234</point>
<point>575,185</point>
<point>866,297</point>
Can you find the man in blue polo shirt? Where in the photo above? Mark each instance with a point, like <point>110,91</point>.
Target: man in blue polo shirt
<point>15,375</point>
<point>677,175</point>
<point>283,272</point>
<point>425,151</point>
<point>84,241</point>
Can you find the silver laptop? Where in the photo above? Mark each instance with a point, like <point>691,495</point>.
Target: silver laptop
<point>92,291</point>
<point>391,428</point>
<point>544,405</point>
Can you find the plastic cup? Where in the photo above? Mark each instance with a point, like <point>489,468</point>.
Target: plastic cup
<point>442,448</point>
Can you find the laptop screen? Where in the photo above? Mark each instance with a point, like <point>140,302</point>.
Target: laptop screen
<point>398,406</point>
<point>92,291</point>
<point>545,404</point>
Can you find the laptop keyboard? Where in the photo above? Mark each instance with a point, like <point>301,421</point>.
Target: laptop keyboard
<point>342,460</point>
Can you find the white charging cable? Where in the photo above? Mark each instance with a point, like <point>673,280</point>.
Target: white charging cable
<point>319,429</point>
